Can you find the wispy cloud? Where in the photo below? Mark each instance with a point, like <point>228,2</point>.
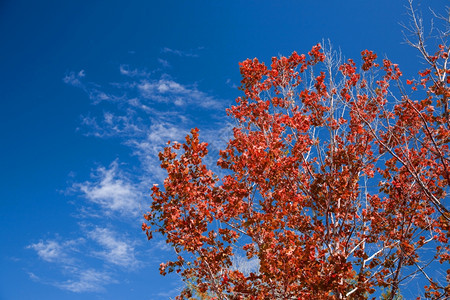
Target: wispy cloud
<point>55,251</point>
<point>89,280</point>
<point>50,251</point>
<point>142,111</point>
<point>231,84</point>
<point>133,72</point>
<point>163,246</point>
<point>93,90</point>
<point>74,79</point>
<point>81,280</point>
<point>140,88</point>
<point>245,265</point>
<point>171,294</point>
<point>147,147</point>
<point>164,63</point>
<point>70,258</point>
<point>181,53</point>
<point>115,251</point>
<point>157,136</point>
<point>112,125</point>
<point>33,276</point>
<point>99,96</point>
<point>112,190</point>
<point>168,90</point>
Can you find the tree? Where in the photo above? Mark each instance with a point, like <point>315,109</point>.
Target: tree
<point>336,182</point>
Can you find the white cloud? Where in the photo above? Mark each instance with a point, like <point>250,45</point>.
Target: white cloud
<point>99,96</point>
<point>113,125</point>
<point>96,92</point>
<point>50,251</point>
<point>179,52</point>
<point>231,84</point>
<point>147,114</point>
<point>245,265</point>
<point>148,89</point>
<point>171,294</point>
<point>33,276</point>
<point>94,128</point>
<point>168,91</point>
<point>144,112</point>
<point>93,91</point>
<point>163,246</point>
<point>147,148</point>
<point>127,71</point>
<point>74,79</point>
<point>116,251</point>
<point>89,280</point>
<point>164,63</point>
<point>54,251</point>
<point>112,190</point>
<point>69,258</point>
<point>160,133</point>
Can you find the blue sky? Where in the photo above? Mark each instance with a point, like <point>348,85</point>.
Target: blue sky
<point>91,91</point>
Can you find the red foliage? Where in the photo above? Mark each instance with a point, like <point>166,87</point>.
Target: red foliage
<point>334,188</point>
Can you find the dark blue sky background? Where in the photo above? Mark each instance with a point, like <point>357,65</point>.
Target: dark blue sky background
<point>91,90</point>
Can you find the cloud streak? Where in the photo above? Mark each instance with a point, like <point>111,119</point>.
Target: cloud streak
<point>56,252</point>
<point>127,71</point>
<point>145,114</point>
<point>111,190</point>
<point>167,90</point>
<point>50,251</point>
<point>113,251</point>
<point>180,53</point>
<point>74,79</point>
<point>89,280</point>
<point>142,111</point>
<point>117,252</point>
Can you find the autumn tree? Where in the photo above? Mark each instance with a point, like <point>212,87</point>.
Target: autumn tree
<point>335,180</point>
